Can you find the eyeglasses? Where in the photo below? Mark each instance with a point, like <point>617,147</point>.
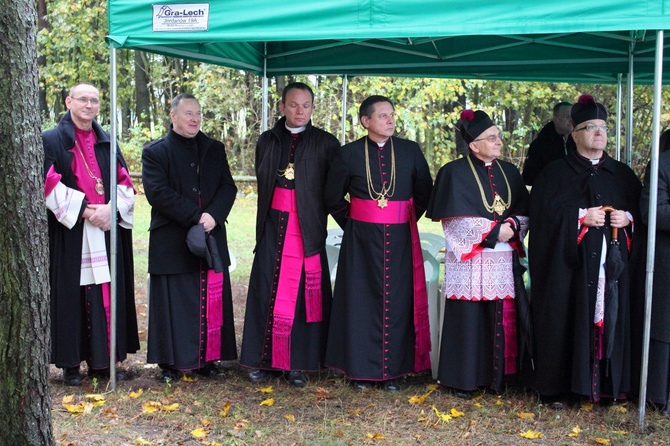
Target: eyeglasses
<point>92,101</point>
<point>593,128</point>
<point>490,138</point>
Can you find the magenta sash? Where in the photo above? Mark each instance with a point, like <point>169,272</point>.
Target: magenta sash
<point>214,315</point>
<point>509,331</point>
<point>292,261</point>
<point>403,212</point>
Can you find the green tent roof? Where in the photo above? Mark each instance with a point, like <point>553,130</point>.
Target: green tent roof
<point>568,40</point>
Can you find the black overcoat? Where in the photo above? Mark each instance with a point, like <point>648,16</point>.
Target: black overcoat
<point>183,178</point>
<point>564,275</point>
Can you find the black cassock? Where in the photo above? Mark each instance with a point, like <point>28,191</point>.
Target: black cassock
<point>371,333</point>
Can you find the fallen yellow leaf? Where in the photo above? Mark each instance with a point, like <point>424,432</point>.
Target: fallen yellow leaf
<point>443,416</point>
<point>620,432</point>
<point>226,408</point>
<point>151,407</point>
<point>531,434</point>
<point>199,433</point>
<point>135,395</point>
<point>290,418</point>
<point>526,415</point>
<point>455,413</point>
<point>188,379</point>
<point>267,389</point>
<point>74,408</point>
<point>376,436</point>
<point>586,407</point>
<point>268,402</point>
<point>170,407</point>
<point>94,397</point>
<point>205,422</point>
<point>619,408</point>
<point>67,399</point>
<point>354,411</point>
<point>601,440</point>
<point>419,399</point>
<point>433,387</point>
<point>575,432</point>
<point>478,405</point>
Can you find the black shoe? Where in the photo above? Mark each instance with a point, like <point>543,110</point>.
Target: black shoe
<point>295,378</point>
<point>209,371</point>
<point>557,402</point>
<point>168,375</point>
<point>361,386</point>
<point>71,376</point>
<point>260,376</point>
<point>121,375</point>
<point>464,394</point>
<point>391,386</point>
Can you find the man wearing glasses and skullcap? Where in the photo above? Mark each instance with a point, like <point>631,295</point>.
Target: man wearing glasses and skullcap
<point>583,209</point>
<point>482,203</point>
<point>77,194</point>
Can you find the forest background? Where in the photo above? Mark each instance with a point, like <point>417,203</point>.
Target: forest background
<point>72,49</point>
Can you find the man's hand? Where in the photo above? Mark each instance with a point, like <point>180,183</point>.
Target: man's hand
<point>207,221</point>
<point>595,217</point>
<point>506,232</point>
<point>619,219</point>
<point>100,215</point>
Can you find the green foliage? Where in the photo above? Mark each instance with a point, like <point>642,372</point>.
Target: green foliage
<point>427,110</point>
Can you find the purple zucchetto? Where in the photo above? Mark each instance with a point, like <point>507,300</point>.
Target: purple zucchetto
<point>586,108</point>
<point>474,124</point>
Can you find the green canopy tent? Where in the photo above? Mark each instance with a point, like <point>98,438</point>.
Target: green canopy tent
<point>569,40</point>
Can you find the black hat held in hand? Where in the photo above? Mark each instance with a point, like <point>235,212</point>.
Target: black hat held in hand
<point>203,245</point>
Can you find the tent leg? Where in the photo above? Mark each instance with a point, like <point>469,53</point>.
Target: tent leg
<point>651,240</point>
<point>113,231</point>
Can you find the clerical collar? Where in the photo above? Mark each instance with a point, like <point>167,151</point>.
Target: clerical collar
<point>379,144</point>
<point>295,129</point>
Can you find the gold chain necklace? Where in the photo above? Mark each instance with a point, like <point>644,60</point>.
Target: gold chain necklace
<point>288,173</point>
<point>386,192</point>
<point>498,206</point>
<point>99,187</point>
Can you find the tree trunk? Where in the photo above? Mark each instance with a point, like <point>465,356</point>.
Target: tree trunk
<point>25,405</point>
<point>143,105</point>
<point>42,60</point>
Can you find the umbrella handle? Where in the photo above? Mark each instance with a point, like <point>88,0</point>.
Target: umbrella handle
<point>615,231</point>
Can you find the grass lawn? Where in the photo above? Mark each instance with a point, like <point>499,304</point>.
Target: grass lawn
<point>229,410</point>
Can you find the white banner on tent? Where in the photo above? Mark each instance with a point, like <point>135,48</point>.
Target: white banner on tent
<point>181,17</point>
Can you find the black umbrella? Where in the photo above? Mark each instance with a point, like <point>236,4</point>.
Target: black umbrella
<point>614,266</point>
<point>524,320</point>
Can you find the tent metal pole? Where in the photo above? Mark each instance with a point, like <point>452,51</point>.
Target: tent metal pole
<point>264,115</point>
<point>651,240</point>
<point>629,109</point>
<point>113,230</point>
<point>345,88</point>
<point>618,116</point>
